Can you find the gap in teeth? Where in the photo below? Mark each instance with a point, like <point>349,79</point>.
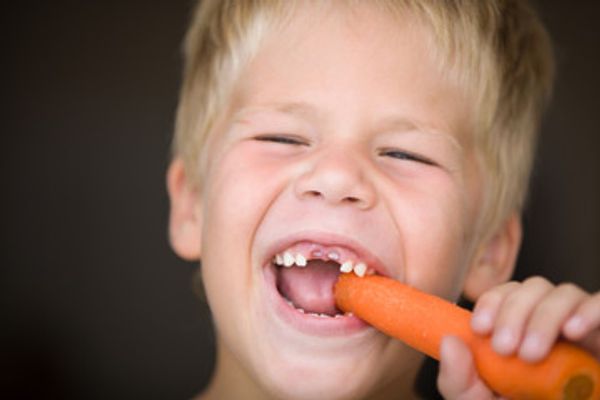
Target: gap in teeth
<point>299,254</point>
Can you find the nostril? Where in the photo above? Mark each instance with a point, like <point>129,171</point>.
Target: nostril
<point>317,195</point>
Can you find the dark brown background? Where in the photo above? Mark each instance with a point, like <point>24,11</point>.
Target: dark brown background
<point>92,302</point>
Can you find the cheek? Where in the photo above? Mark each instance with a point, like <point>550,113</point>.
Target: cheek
<point>233,208</point>
<point>434,227</point>
<point>236,188</point>
<point>238,191</point>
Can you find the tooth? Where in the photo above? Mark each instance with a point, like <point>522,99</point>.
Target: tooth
<point>301,310</point>
<point>346,267</point>
<point>324,316</point>
<point>360,269</point>
<point>333,255</point>
<point>300,260</point>
<point>288,259</point>
<point>278,259</point>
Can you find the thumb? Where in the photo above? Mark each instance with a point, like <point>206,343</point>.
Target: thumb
<point>458,379</point>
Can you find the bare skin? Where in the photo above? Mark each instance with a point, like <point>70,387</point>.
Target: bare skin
<point>366,143</point>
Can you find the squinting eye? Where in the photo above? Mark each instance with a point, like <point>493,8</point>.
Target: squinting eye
<point>403,155</point>
<point>281,139</point>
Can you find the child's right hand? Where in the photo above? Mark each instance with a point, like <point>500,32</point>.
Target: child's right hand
<point>525,319</point>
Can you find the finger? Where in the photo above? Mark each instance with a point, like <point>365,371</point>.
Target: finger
<point>584,326</point>
<point>547,320</point>
<point>591,343</point>
<point>487,306</point>
<point>585,319</point>
<point>514,314</point>
<point>458,379</point>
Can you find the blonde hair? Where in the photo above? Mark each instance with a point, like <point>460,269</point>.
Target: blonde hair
<point>496,49</point>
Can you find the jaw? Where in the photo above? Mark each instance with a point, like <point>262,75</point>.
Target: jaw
<point>307,355</point>
<point>285,351</point>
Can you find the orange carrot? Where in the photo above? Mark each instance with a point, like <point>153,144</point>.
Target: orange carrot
<point>421,320</point>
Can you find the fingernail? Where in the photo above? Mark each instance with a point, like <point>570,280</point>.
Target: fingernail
<point>504,341</point>
<point>481,322</point>
<point>575,325</point>
<point>532,348</point>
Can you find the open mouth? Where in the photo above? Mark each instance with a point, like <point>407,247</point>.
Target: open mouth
<point>306,272</point>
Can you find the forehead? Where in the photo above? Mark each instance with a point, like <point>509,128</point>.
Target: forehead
<point>353,64</point>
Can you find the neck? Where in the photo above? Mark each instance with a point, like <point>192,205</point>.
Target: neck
<point>230,380</point>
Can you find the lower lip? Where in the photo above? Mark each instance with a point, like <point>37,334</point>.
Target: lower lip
<point>307,323</point>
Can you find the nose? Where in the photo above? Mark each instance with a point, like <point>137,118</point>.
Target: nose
<point>337,178</point>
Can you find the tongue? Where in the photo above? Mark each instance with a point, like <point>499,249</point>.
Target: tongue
<point>311,287</point>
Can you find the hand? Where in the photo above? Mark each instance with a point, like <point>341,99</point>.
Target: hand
<point>523,319</point>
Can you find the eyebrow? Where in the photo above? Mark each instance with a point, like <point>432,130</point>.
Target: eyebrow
<point>296,108</point>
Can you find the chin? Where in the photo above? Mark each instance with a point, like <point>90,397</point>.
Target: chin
<point>308,348</point>
<point>315,382</point>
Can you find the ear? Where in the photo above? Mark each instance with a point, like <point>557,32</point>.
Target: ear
<point>495,259</point>
<point>185,218</point>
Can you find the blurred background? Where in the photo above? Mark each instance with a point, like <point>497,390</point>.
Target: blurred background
<point>93,304</point>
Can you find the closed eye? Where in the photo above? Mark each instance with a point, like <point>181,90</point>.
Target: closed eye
<point>281,139</point>
<point>407,156</point>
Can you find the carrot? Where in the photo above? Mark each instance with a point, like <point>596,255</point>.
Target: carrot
<point>421,320</point>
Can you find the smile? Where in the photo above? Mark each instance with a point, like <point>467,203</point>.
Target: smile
<point>301,275</point>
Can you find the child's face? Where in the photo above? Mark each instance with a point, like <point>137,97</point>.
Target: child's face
<point>342,137</point>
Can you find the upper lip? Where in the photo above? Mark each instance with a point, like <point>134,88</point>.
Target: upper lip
<point>329,239</point>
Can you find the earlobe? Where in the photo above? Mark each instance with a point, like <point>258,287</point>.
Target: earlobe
<point>495,260</point>
<point>185,217</point>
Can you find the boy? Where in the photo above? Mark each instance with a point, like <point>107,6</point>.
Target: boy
<point>389,137</point>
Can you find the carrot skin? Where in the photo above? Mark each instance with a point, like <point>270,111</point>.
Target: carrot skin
<point>421,320</point>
